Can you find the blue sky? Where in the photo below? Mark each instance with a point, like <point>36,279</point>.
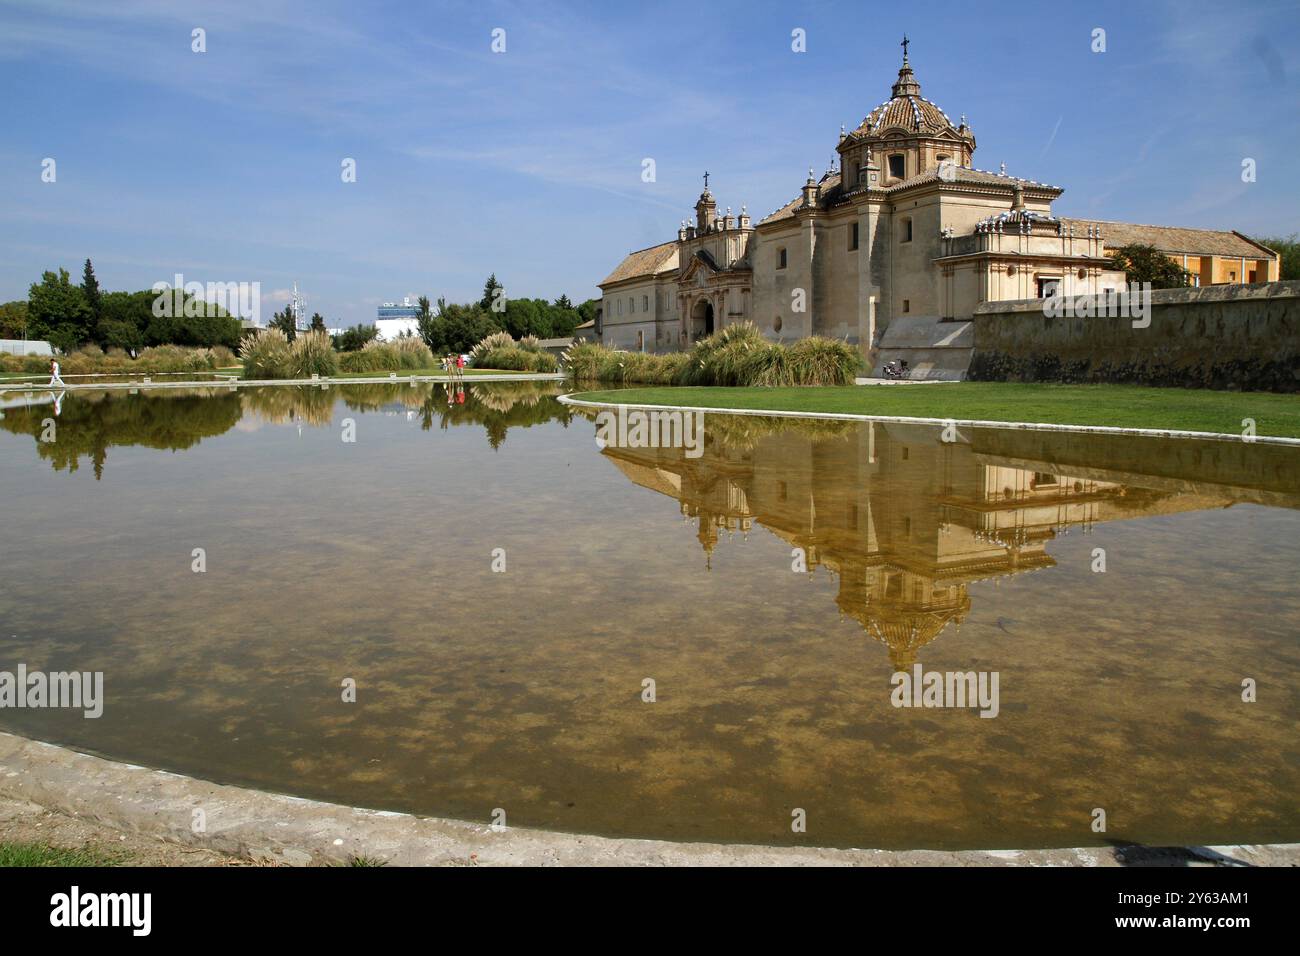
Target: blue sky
<point>225,165</point>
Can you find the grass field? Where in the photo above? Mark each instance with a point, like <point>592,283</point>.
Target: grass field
<point>42,854</point>
<point>1121,406</point>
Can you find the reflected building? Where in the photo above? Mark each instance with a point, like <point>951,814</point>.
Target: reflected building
<point>907,521</point>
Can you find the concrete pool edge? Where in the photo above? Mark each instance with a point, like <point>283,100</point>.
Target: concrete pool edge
<point>568,399</point>
<point>277,828</point>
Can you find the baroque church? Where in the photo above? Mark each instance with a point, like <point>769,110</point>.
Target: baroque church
<point>893,251</point>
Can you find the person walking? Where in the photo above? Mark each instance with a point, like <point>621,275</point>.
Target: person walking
<point>54,374</point>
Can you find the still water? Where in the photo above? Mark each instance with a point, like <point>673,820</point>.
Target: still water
<point>769,588</point>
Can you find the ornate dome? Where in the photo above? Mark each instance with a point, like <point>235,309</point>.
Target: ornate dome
<point>907,108</point>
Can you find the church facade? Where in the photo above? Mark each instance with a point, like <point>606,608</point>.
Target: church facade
<point>893,250</point>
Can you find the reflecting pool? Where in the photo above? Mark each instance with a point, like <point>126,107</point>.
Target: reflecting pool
<point>763,591</point>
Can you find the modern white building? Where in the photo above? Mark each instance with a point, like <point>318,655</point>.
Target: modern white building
<point>394,320</point>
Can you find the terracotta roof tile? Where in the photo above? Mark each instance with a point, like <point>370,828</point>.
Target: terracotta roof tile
<point>644,262</point>
<point>1175,239</point>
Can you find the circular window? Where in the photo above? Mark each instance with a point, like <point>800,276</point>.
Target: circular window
<point>1083,273</point>
<point>776,324</point>
<point>1011,270</point>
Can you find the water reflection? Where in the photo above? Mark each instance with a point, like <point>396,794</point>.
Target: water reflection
<point>477,689</point>
<point>176,419</point>
<point>908,521</point>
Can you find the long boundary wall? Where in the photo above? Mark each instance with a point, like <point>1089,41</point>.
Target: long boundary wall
<point>1225,337</point>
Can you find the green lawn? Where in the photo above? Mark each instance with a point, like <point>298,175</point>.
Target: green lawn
<point>1124,406</point>
<point>42,854</point>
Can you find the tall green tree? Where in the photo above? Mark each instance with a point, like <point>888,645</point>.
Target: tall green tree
<point>286,322</point>
<point>317,322</point>
<point>490,290</point>
<point>57,311</point>
<point>90,289</point>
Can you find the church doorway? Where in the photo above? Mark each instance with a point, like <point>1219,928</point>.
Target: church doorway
<point>702,319</point>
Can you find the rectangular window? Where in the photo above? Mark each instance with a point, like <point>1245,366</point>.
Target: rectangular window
<point>853,237</point>
<point>780,258</point>
<point>640,340</point>
<point>907,230</point>
<point>631,304</point>
<point>896,166</point>
<point>1049,286</point>
<point>645,303</point>
<point>907,305</point>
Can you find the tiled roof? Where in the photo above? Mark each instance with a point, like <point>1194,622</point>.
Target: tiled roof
<point>913,113</point>
<point>1175,239</point>
<point>644,262</point>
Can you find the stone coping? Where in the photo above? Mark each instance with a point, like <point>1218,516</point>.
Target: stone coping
<point>246,382</point>
<point>1192,295</point>
<point>277,828</point>
<point>569,399</point>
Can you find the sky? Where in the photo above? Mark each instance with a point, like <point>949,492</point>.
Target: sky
<point>227,165</point>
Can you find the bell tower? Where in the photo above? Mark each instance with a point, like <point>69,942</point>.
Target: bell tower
<point>706,210</point>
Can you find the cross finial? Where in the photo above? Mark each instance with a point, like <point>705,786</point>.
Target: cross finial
<point>904,46</point>
<point>706,180</point>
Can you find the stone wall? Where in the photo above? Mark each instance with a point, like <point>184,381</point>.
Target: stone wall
<point>1228,337</point>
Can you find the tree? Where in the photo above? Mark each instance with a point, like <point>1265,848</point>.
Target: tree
<point>563,302</point>
<point>90,289</point>
<point>57,311</point>
<point>427,324</point>
<point>1141,263</point>
<point>123,319</point>
<point>490,290</point>
<point>355,338</point>
<point>1288,250</point>
<point>286,322</point>
<point>13,319</point>
<point>317,322</point>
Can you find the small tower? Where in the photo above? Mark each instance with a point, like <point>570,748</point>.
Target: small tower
<point>706,210</point>
<point>811,191</point>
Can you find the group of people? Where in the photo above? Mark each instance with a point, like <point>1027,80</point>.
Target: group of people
<point>455,365</point>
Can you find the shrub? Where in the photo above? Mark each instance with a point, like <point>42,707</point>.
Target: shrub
<point>822,361</point>
<point>583,360</point>
<point>737,355</point>
<point>497,340</point>
<point>375,356</point>
<point>413,353</point>
<point>545,362</point>
<point>265,355</point>
<point>222,357</point>
<point>312,353</point>
<point>509,358</point>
